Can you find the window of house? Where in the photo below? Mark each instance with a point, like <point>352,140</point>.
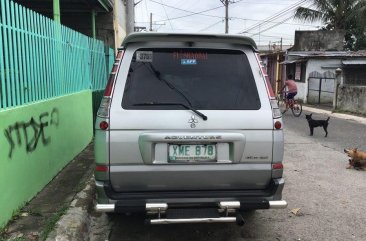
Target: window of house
<point>355,75</point>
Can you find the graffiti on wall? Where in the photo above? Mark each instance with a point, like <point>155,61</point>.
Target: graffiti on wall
<point>29,134</point>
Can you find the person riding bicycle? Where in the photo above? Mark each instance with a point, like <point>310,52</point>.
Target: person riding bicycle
<point>291,89</point>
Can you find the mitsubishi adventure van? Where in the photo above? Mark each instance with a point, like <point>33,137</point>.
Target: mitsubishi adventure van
<point>188,130</point>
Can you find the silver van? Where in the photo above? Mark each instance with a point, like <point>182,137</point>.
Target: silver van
<point>188,130</point>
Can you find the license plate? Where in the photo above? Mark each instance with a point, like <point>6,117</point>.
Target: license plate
<point>192,152</point>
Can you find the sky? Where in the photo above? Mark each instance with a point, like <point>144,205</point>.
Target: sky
<point>266,21</point>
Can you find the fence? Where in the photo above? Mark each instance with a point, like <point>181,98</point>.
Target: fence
<point>41,59</point>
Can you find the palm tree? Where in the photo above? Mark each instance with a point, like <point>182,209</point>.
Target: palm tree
<point>348,15</point>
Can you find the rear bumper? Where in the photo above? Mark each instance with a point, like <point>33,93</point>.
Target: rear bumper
<point>112,207</point>
<point>110,201</point>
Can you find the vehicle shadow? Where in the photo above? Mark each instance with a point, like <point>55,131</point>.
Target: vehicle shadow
<point>133,227</point>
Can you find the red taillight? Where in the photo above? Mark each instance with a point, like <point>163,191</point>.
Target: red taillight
<point>109,87</point>
<point>277,166</point>
<point>100,168</point>
<point>103,125</point>
<point>112,76</point>
<point>278,125</point>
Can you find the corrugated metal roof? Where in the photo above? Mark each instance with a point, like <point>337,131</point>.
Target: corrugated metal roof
<point>361,53</point>
<point>354,62</point>
<point>293,61</point>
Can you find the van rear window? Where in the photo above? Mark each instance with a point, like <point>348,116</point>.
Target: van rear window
<point>206,79</point>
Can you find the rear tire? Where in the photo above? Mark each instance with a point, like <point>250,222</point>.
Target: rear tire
<point>297,109</point>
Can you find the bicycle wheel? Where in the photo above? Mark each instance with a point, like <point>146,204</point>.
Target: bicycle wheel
<point>282,105</point>
<point>296,109</point>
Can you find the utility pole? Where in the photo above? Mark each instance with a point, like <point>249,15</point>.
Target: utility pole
<point>130,16</point>
<point>226,4</point>
<point>150,22</point>
<point>226,16</point>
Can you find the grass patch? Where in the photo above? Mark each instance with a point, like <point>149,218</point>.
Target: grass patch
<point>14,216</point>
<point>51,222</point>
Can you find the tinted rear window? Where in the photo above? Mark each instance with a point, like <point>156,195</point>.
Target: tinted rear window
<point>208,79</point>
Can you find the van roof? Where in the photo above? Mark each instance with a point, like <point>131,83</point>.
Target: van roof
<point>187,37</point>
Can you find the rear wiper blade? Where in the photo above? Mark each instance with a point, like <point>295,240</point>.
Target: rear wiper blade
<point>170,85</point>
<point>200,114</point>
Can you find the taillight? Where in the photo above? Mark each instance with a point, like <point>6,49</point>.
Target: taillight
<point>103,125</point>
<point>278,125</point>
<point>105,104</point>
<point>277,166</point>
<point>101,168</point>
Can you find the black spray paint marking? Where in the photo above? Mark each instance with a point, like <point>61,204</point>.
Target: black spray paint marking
<point>32,131</point>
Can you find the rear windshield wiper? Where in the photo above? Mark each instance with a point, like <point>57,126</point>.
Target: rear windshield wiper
<point>170,85</point>
<point>200,114</point>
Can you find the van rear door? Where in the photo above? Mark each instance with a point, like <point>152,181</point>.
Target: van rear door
<point>157,144</point>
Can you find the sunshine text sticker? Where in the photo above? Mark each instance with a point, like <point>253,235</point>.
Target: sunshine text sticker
<point>190,55</point>
<point>144,56</point>
<point>188,61</point>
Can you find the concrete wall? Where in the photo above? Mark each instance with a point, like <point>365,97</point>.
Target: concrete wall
<point>319,40</point>
<point>352,99</point>
<point>120,23</point>
<point>111,27</point>
<point>301,91</point>
<point>36,142</point>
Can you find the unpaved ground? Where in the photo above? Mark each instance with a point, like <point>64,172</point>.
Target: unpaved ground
<point>331,199</point>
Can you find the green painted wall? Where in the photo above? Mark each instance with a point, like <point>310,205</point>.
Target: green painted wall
<point>36,141</point>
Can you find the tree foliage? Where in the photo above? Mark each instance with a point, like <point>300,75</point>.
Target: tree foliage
<point>348,15</point>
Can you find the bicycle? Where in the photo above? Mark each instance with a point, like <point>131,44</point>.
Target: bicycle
<point>294,105</point>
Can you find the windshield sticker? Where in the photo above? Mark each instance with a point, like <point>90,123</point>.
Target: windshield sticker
<point>144,56</point>
<point>188,61</point>
<point>190,55</point>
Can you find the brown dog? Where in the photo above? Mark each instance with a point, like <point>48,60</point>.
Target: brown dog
<point>358,158</point>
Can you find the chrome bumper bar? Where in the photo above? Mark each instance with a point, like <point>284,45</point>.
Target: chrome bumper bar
<point>105,207</point>
<point>277,204</point>
<point>194,220</point>
<point>161,207</point>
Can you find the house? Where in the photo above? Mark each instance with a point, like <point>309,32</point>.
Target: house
<point>325,73</point>
<point>271,56</point>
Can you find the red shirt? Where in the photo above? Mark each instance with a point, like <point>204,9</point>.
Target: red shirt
<point>291,86</point>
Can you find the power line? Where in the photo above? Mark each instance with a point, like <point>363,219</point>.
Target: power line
<point>275,16</point>
<point>264,30</point>
<point>210,26</point>
<point>249,19</point>
<point>183,10</point>
<point>194,13</point>
<point>273,26</point>
<point>170,23</point>
<point>231,18</point>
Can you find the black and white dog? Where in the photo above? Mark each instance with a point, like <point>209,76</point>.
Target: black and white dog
<point>316,123</point>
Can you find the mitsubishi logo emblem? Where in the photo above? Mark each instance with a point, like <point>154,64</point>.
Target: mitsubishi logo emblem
<point>193,121</point>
